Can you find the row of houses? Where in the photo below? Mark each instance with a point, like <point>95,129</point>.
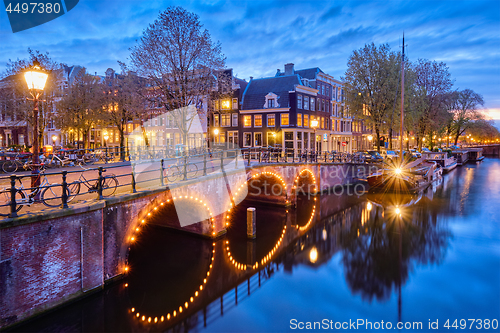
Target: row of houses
<point>294,109</point>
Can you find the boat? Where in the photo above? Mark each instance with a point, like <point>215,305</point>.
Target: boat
<point>404,176</point>
<point>475,154</point>
<point>444,159</point>
<point>462,156</point>
<point>411,178</point>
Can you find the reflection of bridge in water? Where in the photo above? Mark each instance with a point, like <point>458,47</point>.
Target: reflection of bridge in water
<point>235,267</point>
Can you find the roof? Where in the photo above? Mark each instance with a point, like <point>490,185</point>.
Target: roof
<point>309,73</point>
<point>256,90</point>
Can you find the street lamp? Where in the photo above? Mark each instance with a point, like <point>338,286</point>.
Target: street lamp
<point>35,78</point>
<point>216,135</point>
<point>106,137</point>
<point>314,125</point>
<point>54,138</point>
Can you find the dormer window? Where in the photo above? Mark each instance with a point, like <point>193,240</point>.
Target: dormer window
<point>271,101</point>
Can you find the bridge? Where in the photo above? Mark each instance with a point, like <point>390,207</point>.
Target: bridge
<point>49,257</point>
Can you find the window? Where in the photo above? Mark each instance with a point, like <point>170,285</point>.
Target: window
<point>270,120</point>
<point>270,103</point>
<point>322,122</point>
<point>225,120</point>
<point>247,122</point>
<point>235,104</point>
<point>299,101</point>
<point>225,104</point>
<point>284,119</point>
<point>247,139</point>
<point>258,120</point>
<point>306,102</point>
<point>299,119</point>
<point>216,105</point>
<point>306,120</point>
<point>216,120</point>
<point>257,139</point>
<point>312,103</point>
<point>235,119</point>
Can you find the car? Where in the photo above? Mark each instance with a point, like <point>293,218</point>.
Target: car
<point>375,156</point>
<point>415,153</point>
<point>389,154</point>
<point>425,149</point>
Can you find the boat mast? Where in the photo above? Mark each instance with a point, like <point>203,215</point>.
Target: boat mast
<point>402,101</point>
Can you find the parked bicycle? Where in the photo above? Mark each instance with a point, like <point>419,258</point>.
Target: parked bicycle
<point>175,172</point>
<point>109,185</point>
<point>12,166</point>
<point>50,194</point>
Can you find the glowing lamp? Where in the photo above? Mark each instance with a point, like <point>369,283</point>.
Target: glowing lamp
<point>216,131</point>
<point>397,171</point>
<point>35,77</point>
<point>370,137</point>
<point>314,123</point>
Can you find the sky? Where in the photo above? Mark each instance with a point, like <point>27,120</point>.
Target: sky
<point>258,37</point>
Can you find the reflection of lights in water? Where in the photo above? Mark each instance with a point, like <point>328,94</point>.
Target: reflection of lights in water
<point>191,299</point>
<point>324,234</point>
<point>310,219</point>
<point>369,206</point>
<point>313,255</point>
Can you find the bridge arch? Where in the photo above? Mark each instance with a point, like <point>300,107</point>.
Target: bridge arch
<point>282,190</point>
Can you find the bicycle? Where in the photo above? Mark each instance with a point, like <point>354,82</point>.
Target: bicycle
<point>109,185</point>
<point>50,194</point>
<point>12,166</point>
<point>57,161</point>
<point>175,171</point>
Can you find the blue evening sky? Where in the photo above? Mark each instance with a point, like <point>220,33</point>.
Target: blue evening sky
<point>259,37</point>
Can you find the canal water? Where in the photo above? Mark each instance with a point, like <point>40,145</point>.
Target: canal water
<point>335,262</point>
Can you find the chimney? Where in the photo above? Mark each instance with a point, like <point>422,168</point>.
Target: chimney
<point>289,69</point>
<point>251,78</point>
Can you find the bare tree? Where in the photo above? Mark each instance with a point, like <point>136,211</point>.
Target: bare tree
<point>433,80</point>
<point>465,104</point>
<point>123,101</point>
<point>81,107</point>
<point>371,82</point>
<point>179,59</point>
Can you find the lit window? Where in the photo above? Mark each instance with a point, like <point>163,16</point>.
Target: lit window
<point>247,139</point>
<point>257,139</point>
<point>225,120</point>
<point>247,121</point>
<point>306,120</point>
<point>322,122</point>
<point>284,119</point>
<point>270,120</point>
<point>258,120</point>
<point>225,104</point>
<point>299,119</point>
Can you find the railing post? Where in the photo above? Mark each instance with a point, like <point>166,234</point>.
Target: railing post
<point>222,161</point>
<point>161,174</point>
<point>99,184</point>
<point>205,164</point>
<point>325,157</point>
<point>286,155</point>
<point>235,159</point>
<point>133,178</point>
<point>65,190</point>
<point>249,153</point>
<point>13,191</point>
<point>185,168</point>
<point>260,155</point>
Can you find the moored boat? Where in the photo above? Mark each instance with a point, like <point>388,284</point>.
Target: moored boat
<point>475,154</point>
<point>446,161</point>
<point>462,156</point>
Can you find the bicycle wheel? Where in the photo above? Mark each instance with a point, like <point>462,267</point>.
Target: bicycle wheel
<point>192,170</point>
<point>9,167</point>
<point>173,173</point>
<point>5,197</point>
<point>109,185</point>
<point>74,190</point>
<point>52,195</point>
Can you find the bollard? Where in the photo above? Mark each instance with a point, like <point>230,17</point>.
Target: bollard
<point>251,214</point>
<point>162,168</point>
<point>100,183</point>
<point>13,190</point>
<point>64,190</point>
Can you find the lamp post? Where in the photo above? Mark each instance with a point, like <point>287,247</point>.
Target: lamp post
<point>314,125</point>
<point>54,139</point>
<point>106,137</point>
<point>216,135</point>
<point>35,78</point>
<point>370,138</point>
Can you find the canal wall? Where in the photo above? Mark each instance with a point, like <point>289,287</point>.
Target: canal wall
<point>50,258</point>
